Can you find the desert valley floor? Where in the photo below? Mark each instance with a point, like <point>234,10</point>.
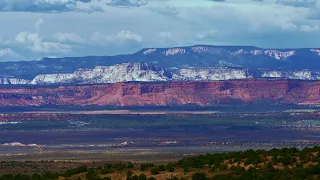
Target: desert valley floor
<point>142,135</point>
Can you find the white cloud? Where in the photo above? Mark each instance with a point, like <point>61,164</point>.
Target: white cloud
<point>127,3</point>
<point>128,35</point>
<point>123,37</point>
<point>165,34</point>
<point>159,23</point>
<point>36,43</point>
<point>8,54</point>
<point>165,9</point>
<point>38,24</point>
<point>307,28</point>
<point>69,38</point>
<point>6,51</point>
<point>47,5</point>
<point>208,34</point>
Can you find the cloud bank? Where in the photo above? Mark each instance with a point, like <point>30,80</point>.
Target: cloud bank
<point>41,5</point>
<point>107,27</point>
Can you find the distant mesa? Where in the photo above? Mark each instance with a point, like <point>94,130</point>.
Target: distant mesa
<point>188,63</point>
<point>147,72</point>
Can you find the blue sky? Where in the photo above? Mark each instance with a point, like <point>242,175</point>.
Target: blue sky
<point>32,29</point>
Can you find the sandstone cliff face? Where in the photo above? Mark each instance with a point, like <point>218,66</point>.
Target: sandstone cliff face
<point>216,93</point>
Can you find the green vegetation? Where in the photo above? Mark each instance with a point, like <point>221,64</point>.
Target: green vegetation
<point>277,164</point>
<point>155,170</point>
<point>145,166</point>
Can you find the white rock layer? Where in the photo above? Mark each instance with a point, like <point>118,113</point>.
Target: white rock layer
<point>144,72</point>
<point>106,74</point>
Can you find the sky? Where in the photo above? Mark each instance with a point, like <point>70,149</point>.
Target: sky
<point>33,29</point>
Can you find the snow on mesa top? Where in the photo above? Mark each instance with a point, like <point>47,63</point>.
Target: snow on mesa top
<point>272,53</point>
<point>200,49</point>
<point>174,51</point>
<point>277,54</point>
<point>316,51</point>
<point>149,51</point>
<point>106,74</point>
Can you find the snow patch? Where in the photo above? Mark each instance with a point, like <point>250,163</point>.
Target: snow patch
<point>149,51</point>
<point>316,51</point>
<point>279,54</point>
<point>199,49</point>
<point>174,51</point>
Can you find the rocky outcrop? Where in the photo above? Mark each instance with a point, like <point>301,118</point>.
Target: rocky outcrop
<point>215,93</point>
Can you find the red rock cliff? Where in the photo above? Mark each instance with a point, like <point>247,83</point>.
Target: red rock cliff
<point>217,93</point>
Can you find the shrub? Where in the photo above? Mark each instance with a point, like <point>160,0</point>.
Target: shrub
<point>77,170</point>
<point>145,166</point>
<point>223,167</point>
<point>161,168</point>
<point>129,175</point>
<point>173,178</point>
<point>118,166</point>
<point>7,176</point>
<point>135,177</point>
<point>199,176</point>
<point>91,174</point>
<point>154,171</point>
<point>130,166</point>
<point>21,177</point>
<point>36,177</point>
<point>106,170</point>
<point>142,177</point>
<point>170,167</point>
<point>237,170</point>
